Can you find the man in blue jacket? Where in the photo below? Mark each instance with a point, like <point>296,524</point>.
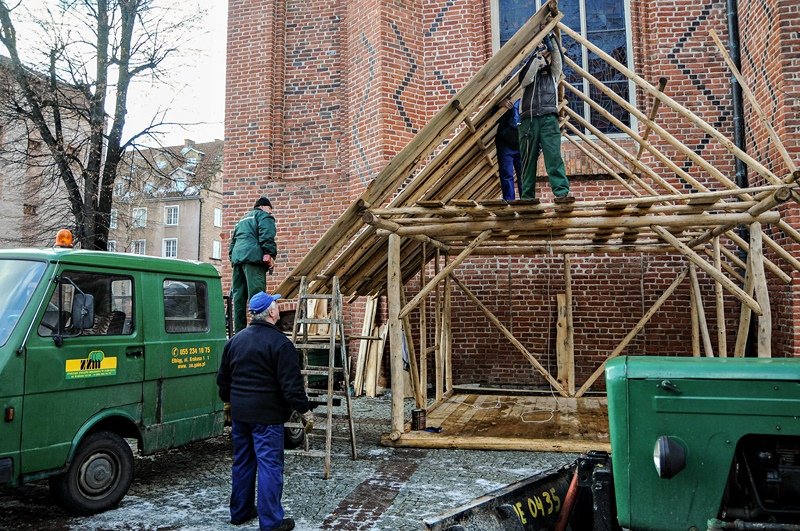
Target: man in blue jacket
<point>252,253</point>
<point>260,376</point>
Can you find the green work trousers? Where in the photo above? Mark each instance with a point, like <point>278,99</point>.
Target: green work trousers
<point>247,280</point>
<point>541,134</point>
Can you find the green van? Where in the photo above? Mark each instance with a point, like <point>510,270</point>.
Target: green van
<point>96,348</point>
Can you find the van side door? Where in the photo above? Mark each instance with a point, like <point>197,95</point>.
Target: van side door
<point>75,374</point>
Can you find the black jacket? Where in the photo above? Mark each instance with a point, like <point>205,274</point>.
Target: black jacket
<point>540,94</point>
<point>260,376</point>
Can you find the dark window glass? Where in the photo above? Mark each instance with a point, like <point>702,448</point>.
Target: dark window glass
<point>185,306</point>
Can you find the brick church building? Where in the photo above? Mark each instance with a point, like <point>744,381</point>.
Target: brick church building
<point>321,94</point>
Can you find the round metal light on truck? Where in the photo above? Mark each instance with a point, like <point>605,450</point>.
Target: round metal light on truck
<point>669,457</point>
<point>64,238</point>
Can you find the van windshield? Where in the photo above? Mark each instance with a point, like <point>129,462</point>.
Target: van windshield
<point>18,279</point>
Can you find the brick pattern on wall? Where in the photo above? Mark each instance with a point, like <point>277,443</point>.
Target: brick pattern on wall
<point>321,94</point>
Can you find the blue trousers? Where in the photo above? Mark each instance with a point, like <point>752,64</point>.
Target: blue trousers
<point>509,163</point>
<point>257,450</point>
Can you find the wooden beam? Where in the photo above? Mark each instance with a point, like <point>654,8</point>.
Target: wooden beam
<point>636,329</point>
<point>753,102</point>
<point>437,337</point>
<point>705,266</point>
<point>423,328</point>
<point>443,273</point>
<point>503,330</point>
<point>745,314</point>
<point>761,292</point>
<point>722,340</point>
<point>680,109</point>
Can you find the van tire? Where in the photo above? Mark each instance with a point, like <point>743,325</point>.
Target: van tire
<point>293,437</point>
<point>97,478</point>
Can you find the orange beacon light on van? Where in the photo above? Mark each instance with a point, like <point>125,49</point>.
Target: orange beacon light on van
<point>64,238</point>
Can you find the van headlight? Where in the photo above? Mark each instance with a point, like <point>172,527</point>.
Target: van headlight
<point>669,456</point>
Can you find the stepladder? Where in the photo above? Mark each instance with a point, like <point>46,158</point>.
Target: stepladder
<point>319,328</point>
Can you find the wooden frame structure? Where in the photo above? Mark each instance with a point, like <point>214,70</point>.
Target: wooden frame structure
<point>434,202</point>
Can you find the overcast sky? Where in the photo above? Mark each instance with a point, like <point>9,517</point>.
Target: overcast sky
<point>196,95</point>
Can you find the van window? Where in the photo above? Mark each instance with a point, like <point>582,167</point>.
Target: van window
<point>185,306</point>
<point>18,279</point>
<point>113,305</point>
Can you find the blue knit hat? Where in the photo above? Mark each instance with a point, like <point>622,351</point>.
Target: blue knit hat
<point>261,301</point>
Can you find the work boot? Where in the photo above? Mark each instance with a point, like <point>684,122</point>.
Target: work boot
<point>287,524</point>
<point>251,515</point>
<point>564,199</point>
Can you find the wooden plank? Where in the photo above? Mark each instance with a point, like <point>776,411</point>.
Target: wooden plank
<point>429,440</point>
<point>561,339</point>
<point>570,346</point>
<point>370,308</point>
<point>423,329</point>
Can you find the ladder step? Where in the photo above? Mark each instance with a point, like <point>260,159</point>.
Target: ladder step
<point>322,368</point>
<point>316,321</point>
<point>317,296</point>
<point>313,346</point>
<point>314,373</point>
<point>309,453</point>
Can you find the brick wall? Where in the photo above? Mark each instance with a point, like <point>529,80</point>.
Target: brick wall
<point>321,94</point>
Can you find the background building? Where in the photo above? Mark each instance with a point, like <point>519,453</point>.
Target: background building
<point>321,95</point>
<point>168,202</point>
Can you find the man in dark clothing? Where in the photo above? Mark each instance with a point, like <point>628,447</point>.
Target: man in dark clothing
<point>539,130</point>
<point>260,377</point>
<point>252,252</point>
<point>507,143</point>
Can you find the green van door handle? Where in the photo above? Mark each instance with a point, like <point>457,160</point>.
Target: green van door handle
<point>135,352</point>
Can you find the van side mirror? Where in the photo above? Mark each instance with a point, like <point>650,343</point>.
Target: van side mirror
<point>82,311</point>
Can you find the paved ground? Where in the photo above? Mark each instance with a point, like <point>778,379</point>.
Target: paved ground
<point>392,489</point>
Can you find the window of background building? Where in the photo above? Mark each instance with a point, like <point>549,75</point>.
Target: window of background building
<point>170,248</point>
<point>138,246</point>
<point>180,183</point>
<point>112,219</point>
<point>606,24</point>
<point>216,250</point>
<point>171,215</point>
<point>217,217</point>
<point>139,217</point>
<point>112,246</point>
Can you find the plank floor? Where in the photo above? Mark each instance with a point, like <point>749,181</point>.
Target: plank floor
<point>513,422</point>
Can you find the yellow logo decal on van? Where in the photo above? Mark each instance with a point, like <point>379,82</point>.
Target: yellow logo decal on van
<point>93,365</point>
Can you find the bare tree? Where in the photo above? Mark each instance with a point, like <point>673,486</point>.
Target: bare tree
<point>90,53</point>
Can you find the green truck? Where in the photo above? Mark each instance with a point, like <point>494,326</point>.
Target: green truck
<point>96,348</point>
<point>697,444</point>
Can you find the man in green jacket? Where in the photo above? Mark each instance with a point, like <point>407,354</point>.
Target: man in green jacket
<point>252,253</point>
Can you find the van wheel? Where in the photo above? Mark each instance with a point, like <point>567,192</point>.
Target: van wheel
<point>98,476</point>
<point>293,437</point>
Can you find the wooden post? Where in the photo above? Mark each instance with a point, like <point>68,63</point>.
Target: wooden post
<point>423,329</point>
<point>761,292</point>
<point>628,338</point>
<point>722,340</point>
<point>744,314</point>
<point>393,288</point>
<point>437,336</point>
<point>447,328</point>
<point>570,351</point>
<point>701,313</point>
<point>693,320</point>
